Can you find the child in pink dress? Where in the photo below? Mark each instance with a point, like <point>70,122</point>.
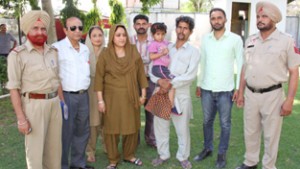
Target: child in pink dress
<point>159,54</point>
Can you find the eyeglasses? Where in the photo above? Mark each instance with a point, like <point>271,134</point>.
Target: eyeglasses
<point>73,28</point>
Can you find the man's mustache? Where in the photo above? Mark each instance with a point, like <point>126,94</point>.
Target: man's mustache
<point>260,23</point>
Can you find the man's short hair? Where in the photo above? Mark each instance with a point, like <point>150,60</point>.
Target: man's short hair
<point>190,21</point>
<point>140,16</point>
<point>3,25</point>
<point>217,9</point>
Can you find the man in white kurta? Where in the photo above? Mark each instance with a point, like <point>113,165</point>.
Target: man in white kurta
<point>184,64</point>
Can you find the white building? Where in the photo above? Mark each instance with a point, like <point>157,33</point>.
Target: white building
<point>241,15</point>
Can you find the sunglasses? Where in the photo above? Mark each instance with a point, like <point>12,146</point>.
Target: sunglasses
<point>73,28</point>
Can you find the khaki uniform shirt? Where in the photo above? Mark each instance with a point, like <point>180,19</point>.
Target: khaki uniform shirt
<point>267,61</point>
<point>30,71</point>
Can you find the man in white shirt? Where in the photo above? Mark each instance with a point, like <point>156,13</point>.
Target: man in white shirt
<point>74,72</point>
<point>184,65</point>
<point>219,51</point>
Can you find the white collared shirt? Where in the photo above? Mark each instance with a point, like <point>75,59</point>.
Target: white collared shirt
<point>184,66</point>
<point>74,66</point>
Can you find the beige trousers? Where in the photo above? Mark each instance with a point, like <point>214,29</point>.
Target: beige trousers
<point>262,114</point>
<point>95,131</point>
<point>162,136</point>
<point>43,144</point>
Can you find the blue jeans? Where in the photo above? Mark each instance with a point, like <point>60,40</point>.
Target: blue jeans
<point>211,103</point>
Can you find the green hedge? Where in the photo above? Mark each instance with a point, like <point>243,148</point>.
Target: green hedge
<point>3,75</point>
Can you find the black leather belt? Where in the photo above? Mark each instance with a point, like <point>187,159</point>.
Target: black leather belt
<point>264,90</point>
<point>76,92</point>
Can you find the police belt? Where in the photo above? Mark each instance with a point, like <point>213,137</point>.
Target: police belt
<point>264,90</point>
<point>40,96</point>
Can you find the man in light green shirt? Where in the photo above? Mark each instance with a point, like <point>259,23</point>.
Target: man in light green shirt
<point>220,50</point>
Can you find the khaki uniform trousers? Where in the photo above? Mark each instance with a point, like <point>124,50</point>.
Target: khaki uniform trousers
<point>162,135</point>
<point>95,131</point>
<point>43,144</point>
<point>262,113</point>
<point>129,146</point>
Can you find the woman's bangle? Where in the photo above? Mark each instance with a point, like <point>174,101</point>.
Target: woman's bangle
<point>143,97</point>
<point>21,124</point>
<point>101,102</point>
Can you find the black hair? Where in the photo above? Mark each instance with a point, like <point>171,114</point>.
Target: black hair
<point>94,27</point>
<point>158,26</point>
<point>140,16</point>
<point>217,9</point>
<point>68,20</point>
<point>190,21</point>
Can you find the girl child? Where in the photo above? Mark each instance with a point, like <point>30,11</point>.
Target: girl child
<point>159,54</point>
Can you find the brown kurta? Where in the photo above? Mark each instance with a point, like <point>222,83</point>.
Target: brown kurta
<point>121,116</point>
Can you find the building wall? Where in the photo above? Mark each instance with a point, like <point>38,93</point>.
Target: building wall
<point>227,6</point>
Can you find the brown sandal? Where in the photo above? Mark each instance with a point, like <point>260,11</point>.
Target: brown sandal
<point>185,164</point>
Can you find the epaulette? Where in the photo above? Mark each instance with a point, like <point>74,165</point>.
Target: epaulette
<point>18,48</point>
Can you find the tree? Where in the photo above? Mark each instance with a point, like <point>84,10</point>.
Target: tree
<point>15,9</point>
<point>197,6</point>
<point>47,6</point>
<point>147,4</point>
<point>71,10</point>
<point>93,17</point>
<point>34,5</point>
<point>118,13</point>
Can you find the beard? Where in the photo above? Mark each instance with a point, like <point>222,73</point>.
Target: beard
<point>217,27</point>
<point>264,27</point>
<point>141,31</point>
<point>38,40</point>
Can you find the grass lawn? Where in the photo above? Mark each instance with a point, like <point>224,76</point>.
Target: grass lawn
<point>12,143</point>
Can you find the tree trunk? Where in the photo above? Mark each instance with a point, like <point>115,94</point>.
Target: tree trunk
<point>47,6</point>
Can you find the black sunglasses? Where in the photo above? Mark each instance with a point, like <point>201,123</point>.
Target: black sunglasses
<point>73,28</point>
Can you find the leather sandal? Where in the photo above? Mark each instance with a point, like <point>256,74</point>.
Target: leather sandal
<point>136,161</point>
<point>185,164</point>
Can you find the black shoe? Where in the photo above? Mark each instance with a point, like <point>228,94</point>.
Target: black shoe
<point>204,153</point>
<point>243,166</point>
<point>221,161</point>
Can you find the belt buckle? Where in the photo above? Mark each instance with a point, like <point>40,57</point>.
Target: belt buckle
<point>81,91</point>
<point>256,90</point>
<point>51,95</point>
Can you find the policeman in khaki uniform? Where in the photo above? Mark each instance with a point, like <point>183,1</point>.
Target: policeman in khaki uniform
<point>34,85</point>
<point>270,56</point>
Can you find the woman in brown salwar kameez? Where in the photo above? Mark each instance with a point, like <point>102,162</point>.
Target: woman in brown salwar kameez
<point>120,83</point>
